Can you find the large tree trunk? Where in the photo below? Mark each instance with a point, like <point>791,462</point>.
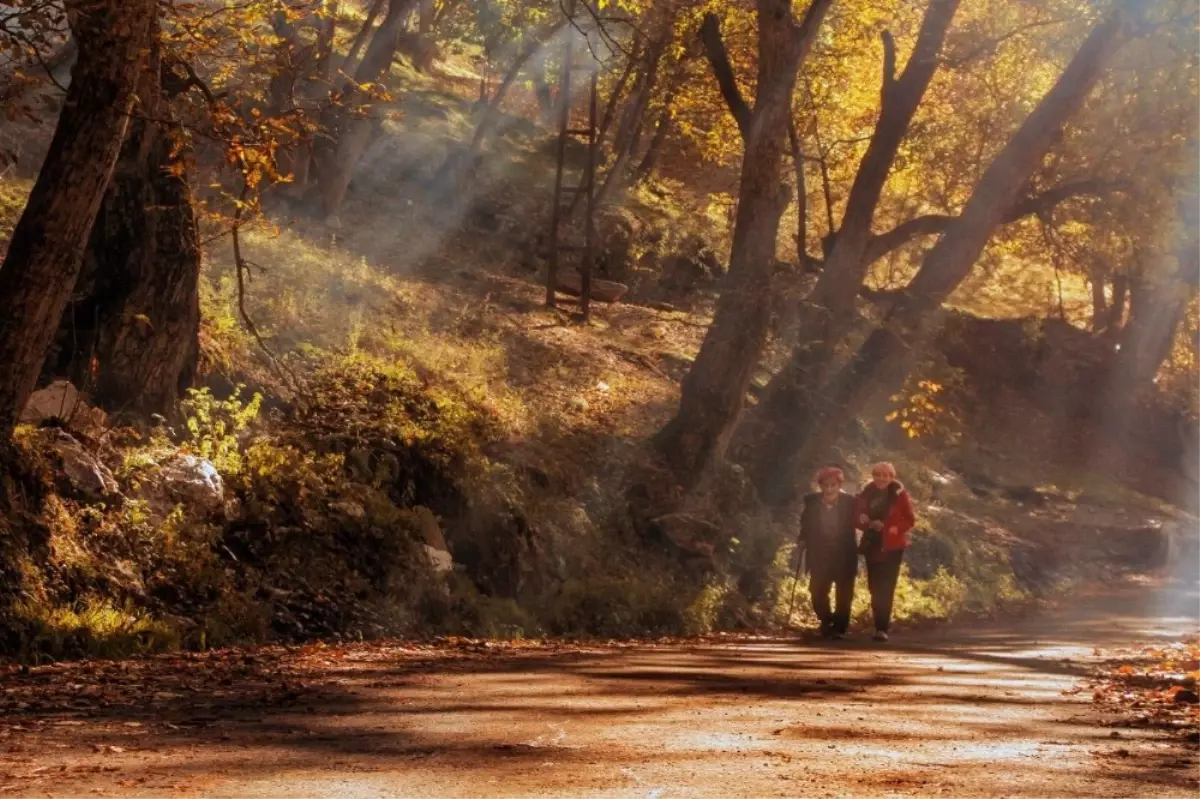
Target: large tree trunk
<point>715,387</point>
<point>829,310</point>
<point>1156,309</point>
<point>1099,302</point>
<point>47,246</point>
<point>879,368</point>
<point>131,338</point>
<point>346,134</point>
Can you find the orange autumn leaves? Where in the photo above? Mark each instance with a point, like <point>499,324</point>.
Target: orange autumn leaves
<point>1152,686</point>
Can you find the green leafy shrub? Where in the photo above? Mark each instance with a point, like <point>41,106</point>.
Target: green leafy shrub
<point>703,614</point>
<point>214,426</point>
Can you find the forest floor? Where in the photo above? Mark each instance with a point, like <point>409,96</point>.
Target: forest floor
<point>993,709</point>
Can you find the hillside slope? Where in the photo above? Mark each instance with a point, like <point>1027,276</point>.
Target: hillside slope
<point>420,405</point>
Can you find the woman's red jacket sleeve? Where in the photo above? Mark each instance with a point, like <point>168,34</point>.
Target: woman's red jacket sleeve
<point>901,518</point>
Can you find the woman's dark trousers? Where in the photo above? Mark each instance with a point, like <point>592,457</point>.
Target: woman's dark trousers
<point>883,572</point>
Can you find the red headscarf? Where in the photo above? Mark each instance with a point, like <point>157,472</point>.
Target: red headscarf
<point>830,473</point>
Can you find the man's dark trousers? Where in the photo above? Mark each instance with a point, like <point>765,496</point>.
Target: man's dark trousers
<point>837,574</point>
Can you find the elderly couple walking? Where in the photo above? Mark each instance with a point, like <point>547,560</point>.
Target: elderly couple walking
<point>830,528</point>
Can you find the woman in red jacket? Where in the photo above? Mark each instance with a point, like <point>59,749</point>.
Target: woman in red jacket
<point>884,512</point>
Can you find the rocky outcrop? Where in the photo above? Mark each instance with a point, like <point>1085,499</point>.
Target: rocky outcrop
<point>61,402</point>
<point>80,473</point>
<point>184,480</point>
<point>435,541</point>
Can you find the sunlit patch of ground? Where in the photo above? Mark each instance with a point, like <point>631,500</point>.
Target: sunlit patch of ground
<point>982,712</point>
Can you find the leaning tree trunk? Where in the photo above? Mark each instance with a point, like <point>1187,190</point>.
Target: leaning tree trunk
<point>1156,309</point>
<point>544,92</point>
<point>360,38</point>
<point>492,114</point>
<point>829,311</point>
<point>715,387</point>
<point>131,337</point>
<point>629,127</point>
<point>47,246</point>
<point>614,98</point>
<point>879,368</point>
<point>1157,306</point>
<point>662,129</point>
<point>346,135</point>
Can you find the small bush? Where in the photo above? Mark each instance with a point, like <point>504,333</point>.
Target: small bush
<point>701,616</point>
<point>457,608</point>
<point>214,426</point>
<point>962,548</point>
<point>635,604</point>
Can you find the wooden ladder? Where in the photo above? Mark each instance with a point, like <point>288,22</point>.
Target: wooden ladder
<point>587,184</point>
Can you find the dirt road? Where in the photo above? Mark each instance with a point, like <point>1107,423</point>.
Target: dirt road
<point>952,712</point>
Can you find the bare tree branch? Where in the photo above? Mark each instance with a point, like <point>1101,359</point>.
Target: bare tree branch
<point>934,224</point>
<point>807,29</point>
<point>889,63</point>
<point>718,57</point>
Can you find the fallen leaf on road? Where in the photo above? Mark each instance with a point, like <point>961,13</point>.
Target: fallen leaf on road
<point>107,749</point>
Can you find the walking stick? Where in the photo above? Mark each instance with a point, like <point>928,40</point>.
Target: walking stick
<point>796,579</point>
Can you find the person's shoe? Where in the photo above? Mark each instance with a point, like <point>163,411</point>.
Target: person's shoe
<point>880,636</point>
<point>837,635</point>
<point>826,630</point>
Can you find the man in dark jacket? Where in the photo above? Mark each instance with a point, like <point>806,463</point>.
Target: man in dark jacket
<point>827,536</point>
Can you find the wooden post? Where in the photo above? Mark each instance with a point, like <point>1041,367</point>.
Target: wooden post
<point>589,183</point>
<point>564,124</point>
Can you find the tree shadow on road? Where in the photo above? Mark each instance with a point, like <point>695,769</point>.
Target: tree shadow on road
<point>474,709</point>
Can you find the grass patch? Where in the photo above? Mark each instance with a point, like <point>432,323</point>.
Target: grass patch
<point>90,628</point>
<point>326,304</point>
